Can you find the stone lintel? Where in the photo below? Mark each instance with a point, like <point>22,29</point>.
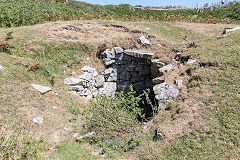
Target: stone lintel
<point>139,54</point>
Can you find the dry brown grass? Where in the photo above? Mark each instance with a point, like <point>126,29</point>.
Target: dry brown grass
<point>18,100</point>
<point>205,29</point>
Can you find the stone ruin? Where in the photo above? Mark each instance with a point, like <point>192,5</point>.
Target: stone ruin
<point>122,69</point>
<point>126,67</point>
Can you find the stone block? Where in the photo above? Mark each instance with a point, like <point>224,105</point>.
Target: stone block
<point>130,68</point>
<point>165,91</point>
<point>166,68</point>
<point>86,76</point>
<point>76,88</point>
<point>73,81</point>
<point>139,54</point>
<point>99,81</point>
<point>143,41</point>
<point>118,50</point>
<point>41,89</point>
<point>139,86</point>
<point>110,88</point>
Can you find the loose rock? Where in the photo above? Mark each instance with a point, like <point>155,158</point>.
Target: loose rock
<point>190,61</point>
<point>38,120</point>
<point>226,30</point>
<point>55,107</point>
<point>167,68</point>
<point>86,135</point>
<point>118,50</point>
<point>1,67</point>
<point>192,44</point>
<point>143,41</point>
<point>41,89</point>
<point>179,83</point>
<point>73,81</point>
<point>165,91</point>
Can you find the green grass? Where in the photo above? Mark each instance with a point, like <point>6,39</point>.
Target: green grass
<point>16,93</point>
<point>69,150</point>
<point>219,138</point>
<point>115,120</point>
<point>14,143</point>
<point>15,13</point>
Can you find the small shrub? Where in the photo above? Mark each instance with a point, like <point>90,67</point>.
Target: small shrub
<point>52,79</point>
<point>5,47</point>
<point>115,120</point>
<point>9,36</point>
<point>31,66</point>
<point>74,109</point>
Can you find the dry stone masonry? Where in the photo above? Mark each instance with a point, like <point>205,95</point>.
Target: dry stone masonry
<point>124,68</point>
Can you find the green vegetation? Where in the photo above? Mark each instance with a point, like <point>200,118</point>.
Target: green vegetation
<point>52,58</point>
<point>75,110</point>
<point>115,120</point>
<point>15,13</point>
<point>218,134</point>
<point>230,11</point>
<point>41,62</point>
<point>221,140</point>
<point>12,146</point>
<point>69,150</point>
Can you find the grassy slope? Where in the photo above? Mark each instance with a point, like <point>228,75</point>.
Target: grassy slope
<point>219,141</point>
<point>219,137</point>
<point>18,103</point>
<point>15,13</point>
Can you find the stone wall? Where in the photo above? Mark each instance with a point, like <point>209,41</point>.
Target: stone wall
<point>123,68</point>
<point>126,67</point>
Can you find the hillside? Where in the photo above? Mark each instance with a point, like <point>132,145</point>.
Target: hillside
<point>202,123</point>
<point>16,13</point>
